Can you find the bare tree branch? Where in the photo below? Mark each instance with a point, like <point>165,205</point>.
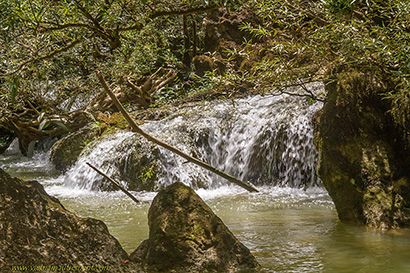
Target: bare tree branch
<point>64,26</point>
<point>136,26</point>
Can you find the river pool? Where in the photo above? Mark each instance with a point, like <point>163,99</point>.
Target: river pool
<point>287,229</point>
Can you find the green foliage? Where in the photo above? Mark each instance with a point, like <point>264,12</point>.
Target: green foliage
<point>259,32</point>
<point>147,173</point>
<point>309,40</point>
<point>46,122</point>
<point>339,5</point>
<point>14,85</point>
<point>50,49</point>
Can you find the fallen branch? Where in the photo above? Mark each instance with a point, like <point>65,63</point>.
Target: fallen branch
<point>191,159</point>
<point>141,99</point>
<point>115,183</point>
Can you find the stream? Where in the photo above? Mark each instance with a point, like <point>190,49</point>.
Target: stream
<point>291,225</point>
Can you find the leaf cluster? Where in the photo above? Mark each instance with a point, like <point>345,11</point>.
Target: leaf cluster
<point>50,49</point>
<point>305,41</point>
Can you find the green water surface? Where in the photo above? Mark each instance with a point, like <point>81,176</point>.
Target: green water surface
<point>288,230</point>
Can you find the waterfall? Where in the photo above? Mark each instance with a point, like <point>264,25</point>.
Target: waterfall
<point>264,140</point>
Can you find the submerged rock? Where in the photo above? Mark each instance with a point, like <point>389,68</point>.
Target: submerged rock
<point>364,162</point>
<point>36,230</point>
<point>186,236</point>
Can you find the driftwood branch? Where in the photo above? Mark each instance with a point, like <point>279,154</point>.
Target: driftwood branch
<point>189,158</point>
<point>141,99</point>
<point>115,183</point>
<point>164,80</point>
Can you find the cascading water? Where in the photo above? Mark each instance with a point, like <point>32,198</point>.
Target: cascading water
<point>25,167</point>
<point>265,140</point>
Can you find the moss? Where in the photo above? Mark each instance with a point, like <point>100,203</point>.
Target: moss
<point>66,151</point>
<point>364,164</point>
<point>186,236</point>
<point>117,120</point>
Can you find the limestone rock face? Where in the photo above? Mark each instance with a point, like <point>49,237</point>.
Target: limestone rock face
<point>364,162</point>
<point>223,26</point>
<point>36,230</point>
<point>66,151</point>
<point>186,236</point>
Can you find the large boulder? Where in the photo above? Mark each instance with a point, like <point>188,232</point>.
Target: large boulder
<point>364,162</point>
<point>186,236</point>
<point>36,230</point>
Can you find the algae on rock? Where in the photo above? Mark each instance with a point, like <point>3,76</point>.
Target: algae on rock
<point>364,162</point>
<point>186,236</point>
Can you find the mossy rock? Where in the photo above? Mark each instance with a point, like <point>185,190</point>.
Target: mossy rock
<point>36,230</point>
<point>66,151</point>
<point>186,236</point>
<point>364,162</point>
<point>142,168</point>
<point>117,120</point>
<point>134,160</point>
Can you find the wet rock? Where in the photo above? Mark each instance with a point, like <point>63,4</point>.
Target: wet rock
<point>139,163</point>
<point>66,151</point>
<point>36,230</point>
<point>186,236</point>
<point>142,168</point>
<point>364,163</point>
<point>123,156</point>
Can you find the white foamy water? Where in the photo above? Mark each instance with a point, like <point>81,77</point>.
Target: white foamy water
<point>263,140</point>
<point>82,176</point>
